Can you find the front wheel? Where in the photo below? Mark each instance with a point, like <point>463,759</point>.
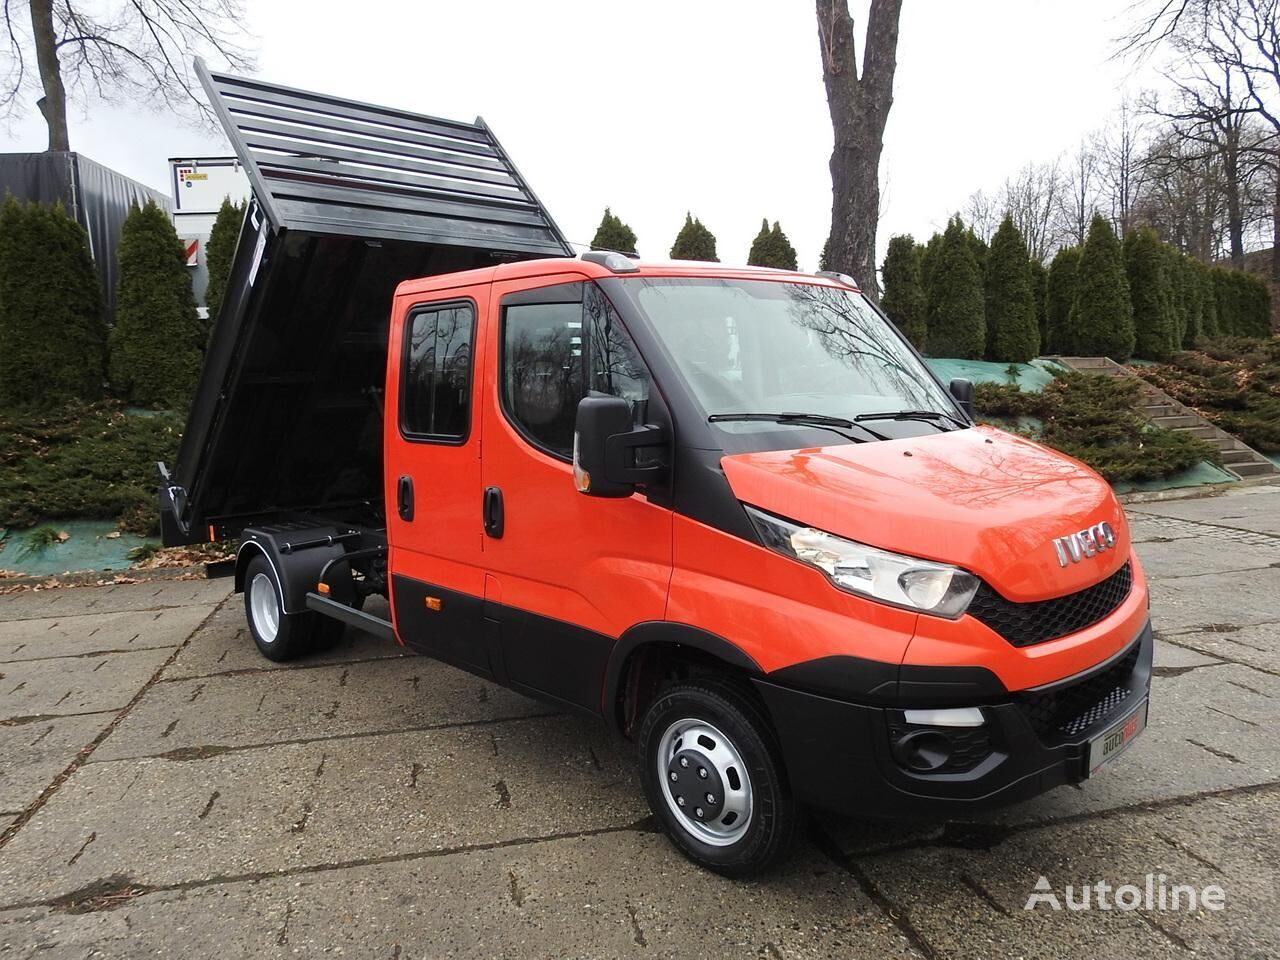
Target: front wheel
<point>712,774</point>
<point>279,635</point>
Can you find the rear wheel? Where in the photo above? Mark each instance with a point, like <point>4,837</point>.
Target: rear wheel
<point>713,776</point>
<point>279,635</point>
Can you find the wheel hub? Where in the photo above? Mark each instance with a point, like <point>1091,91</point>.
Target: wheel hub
<point>695,785</point>
<point>707,787</point>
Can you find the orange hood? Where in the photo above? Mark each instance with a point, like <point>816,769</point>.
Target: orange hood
<point>981,499</point>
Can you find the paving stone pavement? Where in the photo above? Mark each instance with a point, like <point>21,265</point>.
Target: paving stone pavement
<point>165,791</point>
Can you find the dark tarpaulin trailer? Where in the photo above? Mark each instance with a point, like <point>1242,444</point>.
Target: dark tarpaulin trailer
<point>97,198</point>
<point>349,199</point>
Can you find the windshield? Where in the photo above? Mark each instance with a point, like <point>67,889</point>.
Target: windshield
<point>764,347</point>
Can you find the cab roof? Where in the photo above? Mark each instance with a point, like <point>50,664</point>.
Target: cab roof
<point>592,270</point>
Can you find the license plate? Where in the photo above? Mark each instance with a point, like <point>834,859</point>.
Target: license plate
<point>1112,742</point>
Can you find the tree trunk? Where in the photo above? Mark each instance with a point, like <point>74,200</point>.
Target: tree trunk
<point>1275,239</point>
<point>53,105</point>
<point>859,107</point>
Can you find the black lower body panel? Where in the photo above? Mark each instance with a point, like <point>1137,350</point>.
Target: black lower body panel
<point>841,756</point>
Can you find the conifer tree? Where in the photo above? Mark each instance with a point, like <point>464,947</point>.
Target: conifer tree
<point>613,234</point>
<point>1040,292</point>
<point>52,332</point>
<point>157,339</point>
<point>1101,319</point>
<point>903,300</point>
<point>956,325</point>
<point>1060,295</point>
<point>694,242</point>
<point>1225,295</point>
<point>220,251</point>
<point>1150,293</point>
<point>1209,326</point>
<point>784,254</point>
<point>771,248</point>
<point>1010,298</point>
<point>1193,293</point>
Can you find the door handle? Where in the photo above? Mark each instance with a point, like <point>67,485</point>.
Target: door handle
<point>493,512</point>
<point>404,498</point>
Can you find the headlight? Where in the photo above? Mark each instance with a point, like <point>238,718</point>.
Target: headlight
<point>923,585</point>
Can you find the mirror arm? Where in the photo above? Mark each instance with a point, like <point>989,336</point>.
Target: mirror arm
<point>621,452</point>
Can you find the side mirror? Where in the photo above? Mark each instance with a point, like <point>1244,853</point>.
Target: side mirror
<point>606,448</point>
<point>962,391</point>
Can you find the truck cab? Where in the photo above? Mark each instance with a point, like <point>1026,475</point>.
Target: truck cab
<point>728,512</point>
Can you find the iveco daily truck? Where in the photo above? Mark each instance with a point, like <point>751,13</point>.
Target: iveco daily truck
<point>729,512</point>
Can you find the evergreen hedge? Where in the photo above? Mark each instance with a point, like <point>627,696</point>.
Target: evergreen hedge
<point>771,248</point>
<point>1010,298</point>
<point>52,332</point>
<point>613,234</point>
<point>1151,294</point>
<point>903,299</point>
<point>956,322</point>
<point>157,339</point>
<point>694,242</point>
<point>1101,319</point>
<point>1060,296</point>
<point>1040,292</point>
<point>220,251</point>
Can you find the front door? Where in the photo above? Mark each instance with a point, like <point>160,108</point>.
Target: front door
<point>568,573</point>
<point>432,476</point>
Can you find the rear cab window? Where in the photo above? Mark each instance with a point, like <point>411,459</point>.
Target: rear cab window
<point>436,375</point>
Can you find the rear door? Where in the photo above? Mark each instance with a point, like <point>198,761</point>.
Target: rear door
<point>568,573</point>
<point>432,475</point>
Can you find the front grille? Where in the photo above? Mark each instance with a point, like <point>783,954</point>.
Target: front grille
<point>1068,710</point>
<point>1023,624</point>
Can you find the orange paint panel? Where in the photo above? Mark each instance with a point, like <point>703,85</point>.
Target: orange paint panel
<point>967,642</point>
<point>777,610</point>
<point>981,499</point>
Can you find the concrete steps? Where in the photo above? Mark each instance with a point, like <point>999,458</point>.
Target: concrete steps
<point>1164,411</point>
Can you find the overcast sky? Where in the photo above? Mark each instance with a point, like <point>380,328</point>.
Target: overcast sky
<point>663,106</point>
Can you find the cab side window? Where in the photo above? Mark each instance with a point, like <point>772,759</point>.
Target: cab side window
<point>437,373</point>
<point>557,350</point>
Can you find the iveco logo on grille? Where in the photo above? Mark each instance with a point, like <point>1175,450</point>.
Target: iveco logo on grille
<point>1085,543</point>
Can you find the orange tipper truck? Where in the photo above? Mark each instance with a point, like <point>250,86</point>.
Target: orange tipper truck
<point>729,512</point>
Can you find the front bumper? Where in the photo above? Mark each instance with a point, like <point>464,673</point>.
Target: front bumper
<point>839,755</point>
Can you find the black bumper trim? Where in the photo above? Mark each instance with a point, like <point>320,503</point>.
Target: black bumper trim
<point>838,757</point>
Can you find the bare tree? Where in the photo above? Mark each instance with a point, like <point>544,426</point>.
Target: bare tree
<point>1032,198</point>
<point>1121,170</point>
<point>1079,197</point>
<point>859,104</point>
<point>983,214</point>
<point>138,50</point>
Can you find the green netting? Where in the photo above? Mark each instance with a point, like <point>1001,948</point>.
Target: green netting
<point>88,547</point>
<point>1031,377</point>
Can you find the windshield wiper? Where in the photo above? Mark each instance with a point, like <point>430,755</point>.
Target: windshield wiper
<point>929,416</point>
<point>821,421</point>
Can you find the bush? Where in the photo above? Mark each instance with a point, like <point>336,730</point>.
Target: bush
<point>903,300</point>
<point>1060,295</point>
<point>694,242</point>
<point>1040,292</point>
<point>1097,420</point>
<point>1010,298</point>
<point>219,254</point>
<point>52,333</point>
<point>613,234</point>
<point>86,461</point>
<point>1233,381</point>
<point>957,323</point>
<point>1151,295</point>
<point>771,248</point>
<point>157,340</point>
<point>1101,319</point>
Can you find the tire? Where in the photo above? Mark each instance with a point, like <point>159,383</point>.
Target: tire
<point>281,636</point>
<point>751,820</point>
